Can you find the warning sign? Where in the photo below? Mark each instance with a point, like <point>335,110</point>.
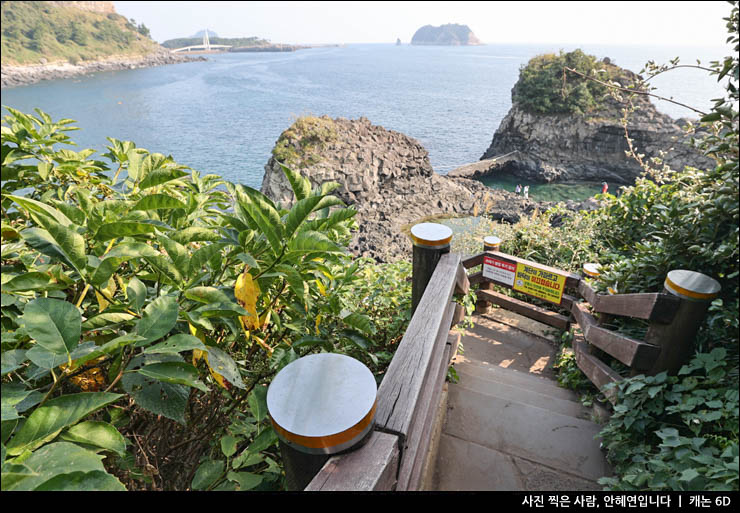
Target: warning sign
<point>499,271</point>
<point>539,283</point>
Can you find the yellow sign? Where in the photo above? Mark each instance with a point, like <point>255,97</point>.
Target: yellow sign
<point>539,283</point>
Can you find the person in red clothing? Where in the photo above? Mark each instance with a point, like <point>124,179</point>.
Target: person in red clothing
<point>604,187</point>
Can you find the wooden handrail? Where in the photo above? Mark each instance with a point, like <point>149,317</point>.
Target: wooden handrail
<point>394,456</point>
<point>653,306</point>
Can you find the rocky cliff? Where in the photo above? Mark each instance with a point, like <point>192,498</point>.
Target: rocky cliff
<point>450,34</point>
<point>592,146</point>
<point>386,176</point>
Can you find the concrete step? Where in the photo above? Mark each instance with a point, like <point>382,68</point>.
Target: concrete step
<point>540,395</point>
<point>486,469</point>
<point>503,345</point>
<point>521,379</point>
<point>560,442</point>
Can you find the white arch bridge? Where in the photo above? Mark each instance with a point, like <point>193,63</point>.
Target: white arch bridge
<point>206,46</point>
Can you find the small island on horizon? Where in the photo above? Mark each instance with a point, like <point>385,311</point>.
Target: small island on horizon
<point>451,34</point>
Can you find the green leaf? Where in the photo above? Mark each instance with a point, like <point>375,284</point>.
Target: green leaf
<point>118,255</point>
<point>176,344</point>
<point>158,319</point>
<point>168,400</point>
<point>300,185</point>
<point>313,242</point>
<point>195,234</point>
<point>179,373</point>
<point>55,325</point>
<point>93,481</point>
<point>207,474</point>
<point>50,461</point>
<point>178,254</point>
<point>99,434</point>
<point>208,295</point>
<point>221,363</point>
<point>299,213</point>
<point>263,215</point>
<point>136,293</point>
<point>29,281</point>
<point>228,445</point>
<point>258,403</point>
<point>55,415</point>
<point>118,229</point>
<point>264,440</point>
<point>160,176</point>
<point>37,207</point>
<point>157,201</point>
<point>71,243</point>
<point>360,322</point>
<point>43,242</point>
<point>246,480</point>
<point>12,360</point>
<point>107,320</point>
<point>204,255</point>
<point>108,348</point>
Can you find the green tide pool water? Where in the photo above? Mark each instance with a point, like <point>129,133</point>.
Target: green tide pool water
<point>576,191</point>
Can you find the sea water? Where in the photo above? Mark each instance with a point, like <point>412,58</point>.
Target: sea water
<point>223,116</point>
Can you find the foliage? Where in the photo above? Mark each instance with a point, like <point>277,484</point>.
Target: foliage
<point>542,89</point>
<point>300,145</point>
<point>141,297</point>
<point>36,30</point>
<point>676,432</point>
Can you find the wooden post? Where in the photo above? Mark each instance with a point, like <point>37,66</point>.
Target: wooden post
<point>490,243</point>
<point>696,291</point>
<point>431,241</point>
<point>320,405</point>
<point>593,271</point>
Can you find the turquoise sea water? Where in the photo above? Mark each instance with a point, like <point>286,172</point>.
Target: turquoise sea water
<point>223,116</point>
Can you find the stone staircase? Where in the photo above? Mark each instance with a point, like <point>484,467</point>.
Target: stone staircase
<point>508,426</point>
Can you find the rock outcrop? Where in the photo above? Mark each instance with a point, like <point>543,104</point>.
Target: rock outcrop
<point>387,177</point>
<point>569,147</point>
<point>450,34</point>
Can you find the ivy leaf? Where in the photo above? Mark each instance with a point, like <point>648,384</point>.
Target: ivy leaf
<point>207,474</point>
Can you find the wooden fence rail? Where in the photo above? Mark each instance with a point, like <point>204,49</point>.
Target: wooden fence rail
<point>674,316</point>
<point>395,455</point>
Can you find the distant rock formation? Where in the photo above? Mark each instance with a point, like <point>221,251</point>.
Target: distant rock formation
<point>389,180</point>
<point>568,147</point>
<point>398,41</point>
<point>450,34</point>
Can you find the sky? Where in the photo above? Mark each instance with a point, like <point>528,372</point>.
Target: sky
<point>661,23</point>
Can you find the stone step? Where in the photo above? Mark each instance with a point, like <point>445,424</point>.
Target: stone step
<point>521,379</point>
<point>540,396</point>
<point>467,466</point>
<point>560,442</point>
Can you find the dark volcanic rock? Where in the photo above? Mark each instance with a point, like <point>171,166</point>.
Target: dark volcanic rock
<point>388,179</point>
<point>450,34</point>
<point>567,147</point>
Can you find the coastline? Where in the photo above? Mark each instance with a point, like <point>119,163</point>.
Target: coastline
<point>13,76</point>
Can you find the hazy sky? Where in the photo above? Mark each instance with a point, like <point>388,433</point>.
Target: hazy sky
<point>618,23</point>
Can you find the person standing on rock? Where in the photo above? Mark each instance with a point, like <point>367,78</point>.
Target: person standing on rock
<point>604,187</point>
<point>526,192</point>
<point>518,189</point>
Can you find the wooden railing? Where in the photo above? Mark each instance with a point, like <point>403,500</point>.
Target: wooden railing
<point>673,322</point>
<point>395,455</point>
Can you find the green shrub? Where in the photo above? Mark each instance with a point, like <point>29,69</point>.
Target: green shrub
<point>542,88</point>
